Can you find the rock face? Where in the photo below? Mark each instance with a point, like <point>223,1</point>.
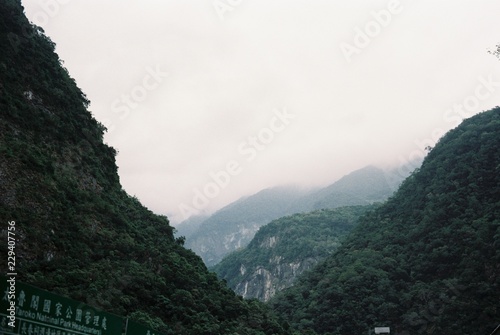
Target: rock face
<point>263,284</point>
<point>234,226</point>
<point>213,245</point>
<point>427,261</point>
<point>78,233</point>
<point>284,249</point>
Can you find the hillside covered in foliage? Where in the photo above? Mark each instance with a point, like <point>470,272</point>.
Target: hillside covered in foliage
<point>364,186</point>
<point>285,248</point>
<point>233,226</point>
<point>80,234</point>
<point>425,262</point>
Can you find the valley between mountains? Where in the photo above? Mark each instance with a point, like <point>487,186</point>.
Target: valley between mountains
<point>418,252</point>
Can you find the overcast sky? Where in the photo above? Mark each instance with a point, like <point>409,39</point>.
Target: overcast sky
<point>207,101</point>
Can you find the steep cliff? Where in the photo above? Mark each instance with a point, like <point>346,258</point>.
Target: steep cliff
<point>284,249</point>
<point>78,233</point>
<point>235,225</point>
<point>425,262</point>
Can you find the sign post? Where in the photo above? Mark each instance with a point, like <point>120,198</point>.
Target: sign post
<point>382,330</point>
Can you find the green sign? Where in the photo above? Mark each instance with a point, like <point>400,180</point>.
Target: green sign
<point>133,328</point>
<point>27,310</point>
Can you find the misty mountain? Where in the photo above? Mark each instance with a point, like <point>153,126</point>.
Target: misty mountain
<point>234,226</point>
<point>364,186</point>
<point>427,261</point>
<point>189,226</point>
<point>286,247</point>
<point>78,233</point>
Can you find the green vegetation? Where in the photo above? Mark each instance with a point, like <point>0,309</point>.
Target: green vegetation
<point>234,226</point>
<point>428,260</point>
<point>496,52</point>
<point>300,239</point>
<point>361,187</point>
<point>80,234</point>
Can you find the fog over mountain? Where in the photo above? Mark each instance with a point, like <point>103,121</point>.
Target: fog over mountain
<point>233,227</point>
<point>226,98</point>
<point>422,259</point>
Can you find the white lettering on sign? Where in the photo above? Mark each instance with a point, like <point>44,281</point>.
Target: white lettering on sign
<point>382,330</point>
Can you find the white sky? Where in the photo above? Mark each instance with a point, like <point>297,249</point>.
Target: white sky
<point>223,74</point>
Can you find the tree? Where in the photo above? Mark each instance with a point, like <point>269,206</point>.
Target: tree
<point>495,52</point>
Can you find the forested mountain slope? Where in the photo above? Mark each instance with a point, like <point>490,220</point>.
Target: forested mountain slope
<point>190,226</point>
<point>79,234</point>
<point>283,249</point>
<point>235,225</point>
<point>425,262</point>
<point>361,187</point>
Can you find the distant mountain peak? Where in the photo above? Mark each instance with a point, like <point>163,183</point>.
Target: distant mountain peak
<point>234,225</point>
<point>425,261</point>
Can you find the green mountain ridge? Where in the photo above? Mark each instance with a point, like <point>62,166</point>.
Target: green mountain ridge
<point>425,262</point>
<point>79,234</point>
<point>360,187</point>
<point>285,248</point>
<point>234,226</point>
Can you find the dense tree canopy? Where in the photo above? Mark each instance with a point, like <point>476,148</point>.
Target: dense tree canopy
<point>80,234</point>
<point>428,260</point>
<point>285,248</point>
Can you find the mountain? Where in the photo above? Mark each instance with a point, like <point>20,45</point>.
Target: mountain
<point>190,226</point>
<point>284,249</point>
<point>426,261</point>
<point>361,187</point>
<point>234,226</point>
<point>78,233</point>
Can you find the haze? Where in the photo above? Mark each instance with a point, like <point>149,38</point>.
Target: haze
<point>225,98</point>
